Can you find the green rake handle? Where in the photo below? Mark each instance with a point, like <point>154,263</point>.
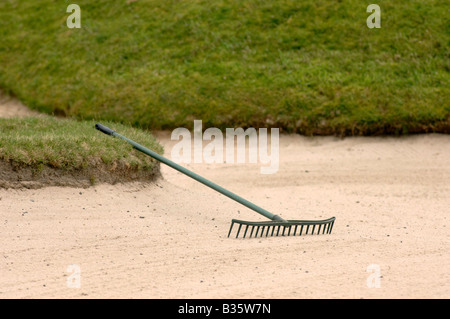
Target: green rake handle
<point>191,174</point>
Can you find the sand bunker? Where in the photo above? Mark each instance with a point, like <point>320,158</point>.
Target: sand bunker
<point>10,107</point>
<point>168,239</point>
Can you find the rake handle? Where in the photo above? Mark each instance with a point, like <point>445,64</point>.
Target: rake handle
<point>191,174</point>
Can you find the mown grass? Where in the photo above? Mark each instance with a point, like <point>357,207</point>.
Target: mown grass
<point>310,66</point>
<point>69,145</point>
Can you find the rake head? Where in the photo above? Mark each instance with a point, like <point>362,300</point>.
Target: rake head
<point>288,228</point>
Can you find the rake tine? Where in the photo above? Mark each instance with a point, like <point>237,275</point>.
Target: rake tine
<point>314,227</point>
<point>332,223</point>
<point>267,232</point>
<point>278,230</point>
<point>246,228</point>
<point>307,228</point>
<point>262,231</point>
<point>239,230</point>
<point>273,229</point>
<point>257,230</point>
<point>324,226</point>
<point>301,230</point>
<point>231,227</point>
<point>251,232</point>
<point>284,228</point>
<point>318,231</point>
<point>295,229</point>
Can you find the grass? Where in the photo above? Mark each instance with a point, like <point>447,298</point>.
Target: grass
<point>69,145</point>
<point>311,66</point>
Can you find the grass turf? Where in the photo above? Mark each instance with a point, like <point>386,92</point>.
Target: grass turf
<point>311,66</point>
<point>69,145</point>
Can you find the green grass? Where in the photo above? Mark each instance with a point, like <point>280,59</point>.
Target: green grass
<point>70,145</point>
<point>306,66</point>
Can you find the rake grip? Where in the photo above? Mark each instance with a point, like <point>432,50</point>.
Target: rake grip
<point>104,129</point>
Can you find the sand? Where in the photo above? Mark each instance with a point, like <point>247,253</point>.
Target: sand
<point>10,107</point>
<point>168,238</point>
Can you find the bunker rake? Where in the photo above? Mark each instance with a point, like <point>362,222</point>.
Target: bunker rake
<point>277,226</point>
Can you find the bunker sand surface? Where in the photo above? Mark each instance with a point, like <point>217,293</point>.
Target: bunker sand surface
<point>10,107</point>
<point>168,239</point>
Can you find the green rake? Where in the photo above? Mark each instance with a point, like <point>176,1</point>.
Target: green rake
<point>277,226</point>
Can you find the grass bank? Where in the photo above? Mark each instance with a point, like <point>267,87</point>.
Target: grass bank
<point>311,66</point>
<point>44,150</point>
